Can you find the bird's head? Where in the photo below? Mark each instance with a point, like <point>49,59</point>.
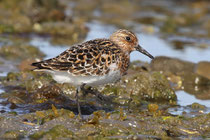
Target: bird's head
<point>128,42</point>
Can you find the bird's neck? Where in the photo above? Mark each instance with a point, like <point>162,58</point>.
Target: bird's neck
<point>124,63</point>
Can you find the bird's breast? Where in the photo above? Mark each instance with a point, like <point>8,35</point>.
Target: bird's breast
<point>124,63</point>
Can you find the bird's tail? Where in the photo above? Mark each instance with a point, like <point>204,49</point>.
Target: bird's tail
<point>39,66</point>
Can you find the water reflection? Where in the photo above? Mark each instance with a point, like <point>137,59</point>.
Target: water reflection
<point>185,99</point>
<point>45,46</point>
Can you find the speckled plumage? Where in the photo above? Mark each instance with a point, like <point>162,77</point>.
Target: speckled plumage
<point>91,58</point>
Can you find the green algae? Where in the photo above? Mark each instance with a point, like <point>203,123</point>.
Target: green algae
<point>112,90</point>
<point>160,126</point>
<point>45,116</point>
<point>54,133</point>
<point>11,76</point>
<point>27,79</point>
<point>152,107</point>
<point>12,135</point>
<point>197,106</point>
<point>143,86</point>
<point>20,52</point>
<point>42,17</point>
<point>22,18</point>
<point>6,28</point>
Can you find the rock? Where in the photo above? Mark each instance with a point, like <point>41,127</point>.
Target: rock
<point>197,106</point>
<point>47,92</point>
<point>194,79</point>
<point>20,52</point>
<point>182,75</point>
<point>57,132</point>
<point>203,69</point>
<point>11,135</point>
<point>65,32</point>
<point>177,81</point>
<point>27,13</point>
<point>195,84</point>
<point>173,65</point>
<point>15,100</point>
<point>152,107</point>
<point>141,86</point>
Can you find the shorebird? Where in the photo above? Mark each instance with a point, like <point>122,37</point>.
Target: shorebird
<point>94,62</point>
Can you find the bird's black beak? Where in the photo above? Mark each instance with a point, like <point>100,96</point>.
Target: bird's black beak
<point>141,50</point>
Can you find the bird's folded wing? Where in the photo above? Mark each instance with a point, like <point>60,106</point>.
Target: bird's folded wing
<point>89,58</point>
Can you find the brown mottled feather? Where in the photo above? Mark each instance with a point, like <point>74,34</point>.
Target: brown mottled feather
<point>89,58</point>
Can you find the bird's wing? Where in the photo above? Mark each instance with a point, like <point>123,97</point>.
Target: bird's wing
<point>90,58</point>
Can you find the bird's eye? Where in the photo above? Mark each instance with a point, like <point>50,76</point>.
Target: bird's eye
<point>128,38</point>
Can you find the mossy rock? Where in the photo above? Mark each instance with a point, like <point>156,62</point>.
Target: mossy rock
<point>11,135</point>
<point>54,133</point>
<point>63,32</point>
<point>153,87</point>
<point>197,106</point>
<point>20,52</point>
<point>142,86</point>
<point>19,16</point>
<point>29,79</point>
<point>6,28</point>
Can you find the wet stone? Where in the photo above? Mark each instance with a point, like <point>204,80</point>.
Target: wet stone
<point>197,106</point>
<point>56,132</point>
<point>203,69</point>
<point>142,86</point>
<point>194,79</point>
<point>15,100</point>
<point>20,52</point>
<point>48,92</point>
<point>152,107</point>
<point>173,65</point>
<point>12,135</point>
<point>64,32</point>
<point>23,18</point>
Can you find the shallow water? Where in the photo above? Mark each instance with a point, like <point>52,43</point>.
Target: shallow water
<point>3,74</point>
<point>45,46</point>
<point>160,47</point>
<point>185,99</point>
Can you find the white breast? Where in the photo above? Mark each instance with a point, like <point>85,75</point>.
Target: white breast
<point>65,77</point>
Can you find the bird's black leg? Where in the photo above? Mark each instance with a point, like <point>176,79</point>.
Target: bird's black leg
<point>77,101</point>
<point>84,91</point>
<point>98,94</point>
<point>93,92</point>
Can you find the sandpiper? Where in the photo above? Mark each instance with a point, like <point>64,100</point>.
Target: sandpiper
<point>94,62</point>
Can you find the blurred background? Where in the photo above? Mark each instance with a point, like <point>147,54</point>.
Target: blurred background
<point>176,32</point>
